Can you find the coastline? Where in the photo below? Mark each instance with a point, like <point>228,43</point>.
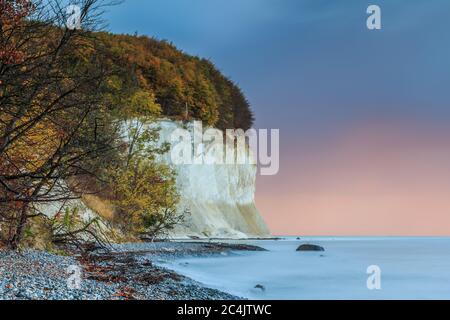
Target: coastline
<point>127,272</point>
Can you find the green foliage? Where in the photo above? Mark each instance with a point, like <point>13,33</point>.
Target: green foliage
<point>71,228</point>
<point>142,188</point>
<point>37,234</point>
<point>178,82</point>
<point>142,104</point>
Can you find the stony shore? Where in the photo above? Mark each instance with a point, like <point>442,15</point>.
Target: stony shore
<point>125,272</point>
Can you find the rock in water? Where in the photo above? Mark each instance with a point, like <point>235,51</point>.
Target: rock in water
<point>310,247</point>
<point>260,286</point>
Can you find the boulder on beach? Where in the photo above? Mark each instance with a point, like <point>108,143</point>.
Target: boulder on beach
<point>310,247</point>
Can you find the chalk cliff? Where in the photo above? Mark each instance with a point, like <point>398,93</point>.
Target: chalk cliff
<point>220,197</point>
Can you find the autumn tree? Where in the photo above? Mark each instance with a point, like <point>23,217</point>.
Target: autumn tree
<point>52,111</point>
<point>12,13</point>
<point>142,188</point>
<point>186,87</point>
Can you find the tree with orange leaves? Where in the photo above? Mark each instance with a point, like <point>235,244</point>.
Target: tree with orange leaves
<point>12,13</point>
<point>52,108</point>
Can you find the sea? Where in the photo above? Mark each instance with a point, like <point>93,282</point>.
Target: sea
<point>357,268</point>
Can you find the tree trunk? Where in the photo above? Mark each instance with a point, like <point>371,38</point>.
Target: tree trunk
<point>14,241</point>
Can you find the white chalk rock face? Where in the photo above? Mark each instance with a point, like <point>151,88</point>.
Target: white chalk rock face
<point>220,197</point>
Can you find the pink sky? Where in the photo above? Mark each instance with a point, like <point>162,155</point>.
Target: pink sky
<point>369,180</point>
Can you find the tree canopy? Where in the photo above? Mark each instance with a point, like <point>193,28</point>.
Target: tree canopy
<point>186,87</point>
